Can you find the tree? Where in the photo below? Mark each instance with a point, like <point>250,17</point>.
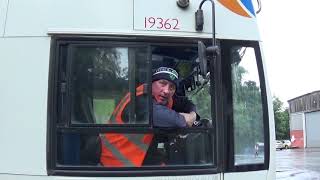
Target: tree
<point>97,67</point>
<point>281,118</point>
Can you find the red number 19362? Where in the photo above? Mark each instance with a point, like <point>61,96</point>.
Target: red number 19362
<point>161,23</point>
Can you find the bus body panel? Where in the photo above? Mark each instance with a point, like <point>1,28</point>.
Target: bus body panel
<point>27,18</point>
<point>24,65</point>
<point>246,175</point>
<point>24,87</point>
<point>228,24</point>
<point>38,18</point>
<point>272,136</point>
<point>194,177</point>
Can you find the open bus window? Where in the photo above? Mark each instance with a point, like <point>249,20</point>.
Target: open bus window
<point>247,107</point>
<point>192,84</point>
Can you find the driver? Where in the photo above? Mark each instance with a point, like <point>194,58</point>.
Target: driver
<point>169,110</point>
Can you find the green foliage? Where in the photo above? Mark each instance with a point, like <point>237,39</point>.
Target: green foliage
<point>281,118</point>
<point>248,119</point>
<point>247,109</point>
<point>97,67</point>
<point>97,75</point>
<point>103,109</point>
<point>202,100</point>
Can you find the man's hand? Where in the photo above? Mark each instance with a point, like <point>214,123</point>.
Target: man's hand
<point>189,117</point>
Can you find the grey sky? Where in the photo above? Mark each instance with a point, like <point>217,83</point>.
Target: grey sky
<point>290,31</point>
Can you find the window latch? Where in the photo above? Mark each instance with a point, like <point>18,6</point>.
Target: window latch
<point>63,87</point>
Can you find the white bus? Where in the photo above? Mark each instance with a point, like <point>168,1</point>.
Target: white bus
<point>65,66</point>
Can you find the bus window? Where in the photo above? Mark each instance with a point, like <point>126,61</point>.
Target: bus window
<point>247,107</point>
<point>100,80</point>
<point>202,99</point>
<point>167,148</point>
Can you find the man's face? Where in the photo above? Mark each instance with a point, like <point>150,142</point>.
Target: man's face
<point>163,90</point>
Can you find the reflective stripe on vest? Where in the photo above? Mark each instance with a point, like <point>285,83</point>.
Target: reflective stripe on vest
<point>125,150</point>
<point>121,150</point>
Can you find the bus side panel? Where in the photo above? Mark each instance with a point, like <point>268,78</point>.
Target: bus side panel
<point>99,16</point>
<point>272,161</point>
<point>191,177</point>
<point>246,175</point>
<point>171,19</point>
<point>23,104</point>
<point>37,17</point>
<point>40,17</point>
<point>27,18</point>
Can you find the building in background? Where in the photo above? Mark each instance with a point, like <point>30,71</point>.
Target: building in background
<point>304,114</point>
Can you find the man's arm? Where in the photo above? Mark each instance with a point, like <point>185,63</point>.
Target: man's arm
<point>189,117</point>
<point>186,108</point>
<point>165,117</point>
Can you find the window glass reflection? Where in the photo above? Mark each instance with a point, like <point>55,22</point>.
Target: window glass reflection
<point>101,82</point>
<point>247,107</point>
<point>161,149</point>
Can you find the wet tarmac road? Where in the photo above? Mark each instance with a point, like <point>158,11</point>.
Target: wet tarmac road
<point>298,164</point>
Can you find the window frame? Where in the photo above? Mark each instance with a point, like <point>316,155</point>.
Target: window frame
<point>228,101</point>
<point>55,88</point>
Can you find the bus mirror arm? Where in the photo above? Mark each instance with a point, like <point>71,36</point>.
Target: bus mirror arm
<point>200,20</point>
<point>213,50</point>
<point>202,50</point>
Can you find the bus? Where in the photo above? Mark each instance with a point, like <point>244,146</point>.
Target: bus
<point>66,65</point>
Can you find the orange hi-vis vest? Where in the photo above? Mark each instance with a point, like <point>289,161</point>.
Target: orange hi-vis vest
<point>125,150</point>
